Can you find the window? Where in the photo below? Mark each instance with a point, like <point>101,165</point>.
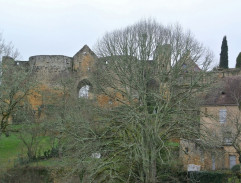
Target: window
<point>222,115</point>
<point>227,137</point>
<point>213,162</point>
<point>232,161</point>
<point>186,150</point>
<point>84,91</point>
<point>206,112</point>
<point>227,141</point>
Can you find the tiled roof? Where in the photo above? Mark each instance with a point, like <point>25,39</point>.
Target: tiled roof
<point>225,92</point>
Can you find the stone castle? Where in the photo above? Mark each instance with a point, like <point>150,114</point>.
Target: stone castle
<point>48,69</point>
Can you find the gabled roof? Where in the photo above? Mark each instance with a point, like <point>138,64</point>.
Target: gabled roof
<point>85,50</point>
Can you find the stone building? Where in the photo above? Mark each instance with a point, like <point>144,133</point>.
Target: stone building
<point>220,127</point>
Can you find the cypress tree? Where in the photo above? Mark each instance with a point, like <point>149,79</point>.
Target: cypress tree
<point>238,61</point>
<point>224,54</point>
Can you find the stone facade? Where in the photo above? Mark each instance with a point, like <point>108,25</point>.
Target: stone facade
<point>219,125</point>
<point>217,155</point>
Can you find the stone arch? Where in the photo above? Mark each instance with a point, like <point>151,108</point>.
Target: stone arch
<point>84,88</point>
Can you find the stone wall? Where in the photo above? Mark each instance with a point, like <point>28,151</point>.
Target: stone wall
<point>49,72</point>
<point>47,69</point>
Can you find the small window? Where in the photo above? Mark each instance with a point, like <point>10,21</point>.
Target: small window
<point>17,63</point>
<point>232,161</point>
<point>186,149</point>
<point>227,141</point>
<point>222,115</point>
<point>84,91</point>
<point>206,112</point>
<point>213,162</point>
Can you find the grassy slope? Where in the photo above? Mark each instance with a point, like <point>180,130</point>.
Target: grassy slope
<point>12,147</point>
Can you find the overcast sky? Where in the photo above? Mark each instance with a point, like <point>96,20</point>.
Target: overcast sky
<point>62,27</point>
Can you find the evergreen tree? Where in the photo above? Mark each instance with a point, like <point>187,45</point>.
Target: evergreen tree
<point>224,54</point>
<point>238,61</point>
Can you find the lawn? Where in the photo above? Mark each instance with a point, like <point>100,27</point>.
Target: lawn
<point>11,148</point>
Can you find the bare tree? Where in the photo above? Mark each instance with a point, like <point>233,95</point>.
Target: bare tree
<point>7,49</point>
<point>151,77</point>
<point>32,131</point>
<point>15,84</point>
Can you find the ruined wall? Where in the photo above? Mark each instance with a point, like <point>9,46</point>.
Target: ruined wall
<point>49,69</point>
<point>84,63</point>
<point>49,73</point>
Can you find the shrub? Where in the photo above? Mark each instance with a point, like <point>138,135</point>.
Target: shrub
<point>210,176</point>
<point>236,168</point>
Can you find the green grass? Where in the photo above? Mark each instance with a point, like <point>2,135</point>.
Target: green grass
<point>11,148</point>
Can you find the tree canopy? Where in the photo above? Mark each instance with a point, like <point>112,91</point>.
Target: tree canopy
<point>238,61</point>
<point>224,54</point>
<point>149,74</point>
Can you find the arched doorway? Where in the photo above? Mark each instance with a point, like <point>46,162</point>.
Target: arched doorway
<point>84,88</point>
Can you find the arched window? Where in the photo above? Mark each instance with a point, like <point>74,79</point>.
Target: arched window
<point>84,91</point>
